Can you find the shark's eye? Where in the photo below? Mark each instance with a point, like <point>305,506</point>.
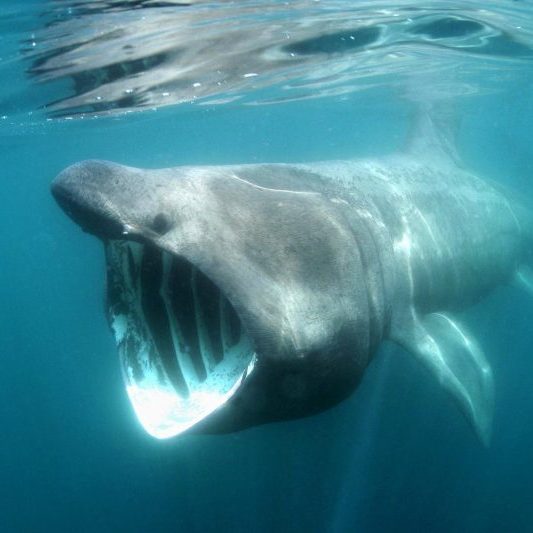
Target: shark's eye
<point>161,223</point>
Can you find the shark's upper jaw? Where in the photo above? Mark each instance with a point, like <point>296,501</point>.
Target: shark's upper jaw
<point>182,347</point>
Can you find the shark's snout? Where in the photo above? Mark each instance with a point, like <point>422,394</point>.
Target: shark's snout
<point>90,220</point>
<point>80,190</point>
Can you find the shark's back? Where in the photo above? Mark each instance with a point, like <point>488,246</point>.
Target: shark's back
<point>459,234</point>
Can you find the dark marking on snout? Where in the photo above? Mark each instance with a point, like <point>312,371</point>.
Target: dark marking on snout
<point>162,223</point>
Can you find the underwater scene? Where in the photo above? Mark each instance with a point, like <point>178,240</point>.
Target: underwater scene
<point>266,266</point>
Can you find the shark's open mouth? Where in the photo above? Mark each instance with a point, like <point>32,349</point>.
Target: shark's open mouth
<point>182,346</point>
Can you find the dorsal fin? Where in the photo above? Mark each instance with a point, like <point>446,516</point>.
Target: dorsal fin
<point>434,123</point>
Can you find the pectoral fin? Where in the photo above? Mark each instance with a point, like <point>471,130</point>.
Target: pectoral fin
<point>524,278</point>
<point>455,359</point>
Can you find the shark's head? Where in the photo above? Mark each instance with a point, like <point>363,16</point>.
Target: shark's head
<point>232,303</point>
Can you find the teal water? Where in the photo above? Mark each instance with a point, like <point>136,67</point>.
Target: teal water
<point>394,457</point>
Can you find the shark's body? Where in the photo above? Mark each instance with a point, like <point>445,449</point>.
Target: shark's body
<point>252,293</point>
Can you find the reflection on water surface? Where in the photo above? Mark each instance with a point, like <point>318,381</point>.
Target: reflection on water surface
<point>125,55</point>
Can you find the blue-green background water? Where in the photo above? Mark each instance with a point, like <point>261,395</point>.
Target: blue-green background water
<point>396,456</point>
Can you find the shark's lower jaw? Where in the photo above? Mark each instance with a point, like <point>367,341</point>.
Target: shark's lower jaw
<point>181,344</point>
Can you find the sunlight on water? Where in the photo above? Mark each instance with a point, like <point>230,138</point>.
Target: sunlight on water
<point>106,57</point>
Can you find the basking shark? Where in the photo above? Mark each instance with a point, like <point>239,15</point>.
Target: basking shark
<point>246,294</point>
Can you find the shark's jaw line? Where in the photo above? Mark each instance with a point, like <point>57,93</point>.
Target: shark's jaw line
<point>182,347</point>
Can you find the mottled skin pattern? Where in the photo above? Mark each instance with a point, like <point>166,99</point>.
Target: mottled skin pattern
<point>321,262</point>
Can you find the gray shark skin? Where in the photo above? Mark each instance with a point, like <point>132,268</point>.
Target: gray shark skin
<point>246,294</point>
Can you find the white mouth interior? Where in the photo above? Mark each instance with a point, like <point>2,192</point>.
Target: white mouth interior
<point>181,344</point>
